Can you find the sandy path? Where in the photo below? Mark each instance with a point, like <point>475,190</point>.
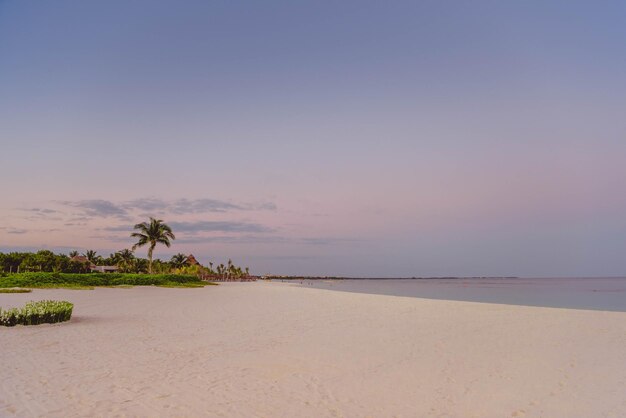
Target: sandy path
<point>275,350</point>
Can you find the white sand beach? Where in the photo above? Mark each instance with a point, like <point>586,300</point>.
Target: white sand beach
<point>277,350</point>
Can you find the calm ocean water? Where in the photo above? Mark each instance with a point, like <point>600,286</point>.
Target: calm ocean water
<point>608,294</point>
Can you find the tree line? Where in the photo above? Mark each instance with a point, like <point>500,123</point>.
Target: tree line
<point>47,261</point>
<point>147,234</point>
<point>125,260</point>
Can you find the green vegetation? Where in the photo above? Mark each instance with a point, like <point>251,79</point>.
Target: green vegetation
<point>13,290</point>
<point>44,269</point>
<point>125,260</point>
<point>229,272</point>
<point>43,260</point>
<point>148,233</point>
<point>152,233</point>
<point>34,313</point>
<point>189,284</point>
<point>71,280</point>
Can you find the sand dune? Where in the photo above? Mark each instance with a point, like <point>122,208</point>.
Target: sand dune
<point>276,350</point>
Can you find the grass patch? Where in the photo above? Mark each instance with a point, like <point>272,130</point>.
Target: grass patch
<point>89,281</point>
<point>69,286</point>
<point>35,313</point>
<point>14,290</point>
<point>187,285</point>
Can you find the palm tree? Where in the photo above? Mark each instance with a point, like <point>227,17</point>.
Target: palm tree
<point>92,256</point>
<point>152,233</point>
<point>73,254</point>
<point>229,269</point>
<point>179,260</point>
<point>112,260</point>
<point>140,265</point>
<point>125,255</point>
<point>125,259</point>
<point>220,270</point>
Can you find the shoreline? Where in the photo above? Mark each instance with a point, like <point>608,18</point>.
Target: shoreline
<point>597,294</point>
<point>272,349</point>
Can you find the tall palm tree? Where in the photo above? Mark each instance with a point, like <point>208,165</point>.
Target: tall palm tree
<point>152,233</point>
<point>73,253</point>
<point>229,269</point>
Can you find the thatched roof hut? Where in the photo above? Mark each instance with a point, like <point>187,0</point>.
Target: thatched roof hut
<point>92,267</point>
<point>82,259</point>
<point>192,260</point>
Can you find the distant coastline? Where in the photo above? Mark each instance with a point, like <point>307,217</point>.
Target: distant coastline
<point>273,277</point>
<point>596,293</point>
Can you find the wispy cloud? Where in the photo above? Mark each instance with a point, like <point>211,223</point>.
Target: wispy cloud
<point>232,239</point>
<point>218,226</point>
<point>112,238</point>
<point>10,230</point>
<point>263,239</point>
<point>118,228</point>
<point>40,210</point>
<point>188,206</point>
<point>203,226</point>
<point>183,206</point>
<point>79,220</point>
<point>56,249</point>
<point>146,204</point>
<point>98,208</point>
<point>42,214</point>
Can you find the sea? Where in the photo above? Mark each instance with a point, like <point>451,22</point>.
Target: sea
<point>595,293</point>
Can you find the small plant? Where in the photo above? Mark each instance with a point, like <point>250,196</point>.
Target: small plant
<point>34,313</point>
<point>14,290</point>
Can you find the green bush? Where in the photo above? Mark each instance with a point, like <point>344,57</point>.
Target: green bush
<point>48,280</point>
<point>11,290</point>
<point>34,313</point>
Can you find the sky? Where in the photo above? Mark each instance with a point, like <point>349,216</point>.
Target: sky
<point>352,138</point>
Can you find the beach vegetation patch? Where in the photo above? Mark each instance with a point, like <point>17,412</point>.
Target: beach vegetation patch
<point>15,290</point>
<point>190,284</point>
<point>35,313</point>
<point>88,281</point>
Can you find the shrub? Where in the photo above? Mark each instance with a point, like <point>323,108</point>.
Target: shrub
<point>12,290</point>
<point>47,280</point>
<point>34,313</point>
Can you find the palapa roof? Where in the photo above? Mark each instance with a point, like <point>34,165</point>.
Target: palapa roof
<point>192,260</point>
<point>82,259</point>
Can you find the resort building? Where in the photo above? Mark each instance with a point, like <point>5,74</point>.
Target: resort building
<point>104,269</point>
<point>92,267</point>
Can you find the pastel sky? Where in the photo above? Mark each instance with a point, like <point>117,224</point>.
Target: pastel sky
<point>359,138</point>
